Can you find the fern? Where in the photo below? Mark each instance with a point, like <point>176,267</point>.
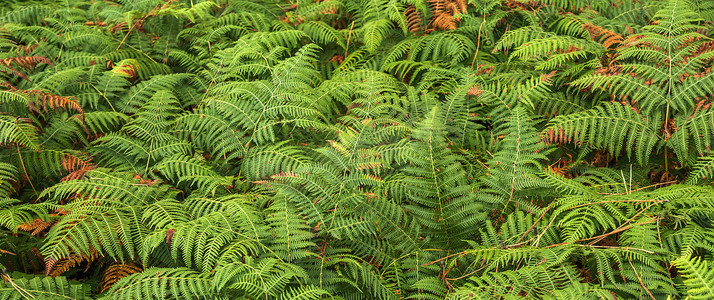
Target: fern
<point>22,286</point>
<point>592,128</point>
<point>698,277</point>
<point>516,165</point>
<point>162,284</point>
<point>351,149</point>
<point>440,199</point>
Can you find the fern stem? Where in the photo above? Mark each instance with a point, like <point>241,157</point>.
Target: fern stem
<point>640,279</point>
<point>624,248</point>
<point>629,220</point>
<point>647,187</point>
<point>617,201</point>
<point>22,162</point>
<point>125,36</point>
<point>478,41</point>
<point>349,36</point>
<point>602,236</point>
<point>535,223</point>
<point>24,293</point>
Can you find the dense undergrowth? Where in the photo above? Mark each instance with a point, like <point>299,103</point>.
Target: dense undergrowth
<point>356,149</point>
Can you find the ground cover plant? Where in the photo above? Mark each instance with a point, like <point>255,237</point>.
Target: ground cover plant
<point>356,149</point>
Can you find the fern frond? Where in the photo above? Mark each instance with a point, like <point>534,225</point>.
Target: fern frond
<point>13,213</point>
<point>702,170</point>
<point>22,286</point>
<point>291,238</point>
<point>612,127</point>
<point>8,175</point>
<point>163,283</point>
<point>257,278</point>
<point>532,280</point>
<point>115,272</point>
<point>439,197</point>
<point>193,171</point>
<point>698,276</point>
<point>374,32</point>
<point>18,131</point>
<point>515,167</point>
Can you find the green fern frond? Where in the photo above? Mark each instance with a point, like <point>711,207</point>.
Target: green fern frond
<point>291,235</point>
<point>323,33</point>
<point>374,32</point>
<point>139,94</point>
<point>611,127</point>
<point>194,171</point>
<point>693,132</point>
<point>8,175</point>
<point>439,196</point>
<point>515,167</point>
<point>698,276</point>
<point>702,170</point>
<point>263,162</point>
<point>205,241</point>
<point>14,213</point>
<point>258,278</point>
<point>22,286</point>
<point>18,131</point>
<point>163,283</point>
<point>532,281</point>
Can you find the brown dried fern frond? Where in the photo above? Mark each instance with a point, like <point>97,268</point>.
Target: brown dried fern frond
<point>414,19</point>
<point>43,101</point>
<point>607,38</point>
<point>76,167</point>
<point>55,267</point>
<point>117,271</point>
<point>37,227</point>
<point>22,62</point>
<point>444,13</point>
<point>523,5</point>
<point>559,137</point>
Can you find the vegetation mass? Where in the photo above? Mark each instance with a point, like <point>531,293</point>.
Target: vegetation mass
<point>356,149</point>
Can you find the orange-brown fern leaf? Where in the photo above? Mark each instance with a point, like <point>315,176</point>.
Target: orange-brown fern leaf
<point>27,49</point>
<point>117,271</point>
<point>369,166</point>
<point>414,19</point>
<point>25,62</point>
<point>547,77</point>
<point>611,68</point>
<point>444,13</point>
<point>561,166</point>
<point>705,47</point>
<point>523,5</point>
<point>36,227</point>
<point>475,91</point>
<point>76,167</point>
<point>443,22</point>
<point>49,265</point>
<point>559,137</point>
<point>40,100</point>
<point>129,69</point>
<point>98,24</point>
<point>57,267</point>
<point>43,101</point>
<point>607,38</point>
<point>7,69</point>
<point>22,62</point>
<point>39,226</point>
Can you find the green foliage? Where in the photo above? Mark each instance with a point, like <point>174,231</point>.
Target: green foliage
<point>24,286</point>
<point>389,149</point>
<point>699,277</point>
